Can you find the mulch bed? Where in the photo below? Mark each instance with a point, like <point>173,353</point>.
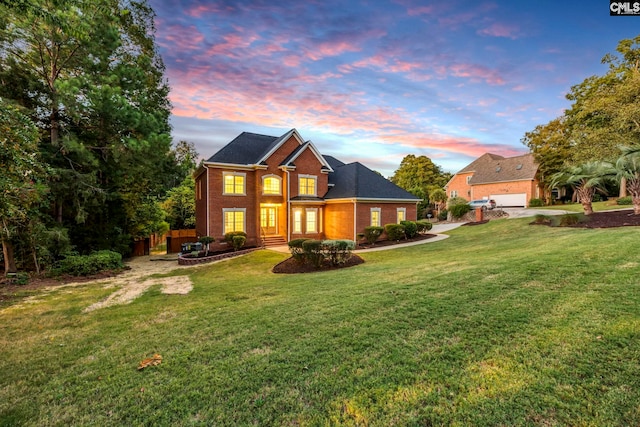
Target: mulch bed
<point>291,266</point>
<point>609,219</point>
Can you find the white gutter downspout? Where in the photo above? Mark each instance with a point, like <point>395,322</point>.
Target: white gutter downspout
<point>207,198</point>
<point>288,204</point>
<point>355,231</point>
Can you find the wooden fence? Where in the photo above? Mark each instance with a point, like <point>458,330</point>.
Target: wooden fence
<point>175,239</point>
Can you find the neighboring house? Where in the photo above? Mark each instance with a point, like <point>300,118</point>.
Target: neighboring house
<point>282,188</point>
<point>510,181</point>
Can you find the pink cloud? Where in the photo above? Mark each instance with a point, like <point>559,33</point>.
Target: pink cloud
<point>476,73</point>
<point>500,30</point>
<point>181,38</point>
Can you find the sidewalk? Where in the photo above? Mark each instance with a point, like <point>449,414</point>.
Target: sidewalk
<point>437,229</point>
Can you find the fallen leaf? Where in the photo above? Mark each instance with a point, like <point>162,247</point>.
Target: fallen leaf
<point>150,361</point>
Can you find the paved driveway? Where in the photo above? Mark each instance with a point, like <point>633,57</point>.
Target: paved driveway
<point>522,213</point>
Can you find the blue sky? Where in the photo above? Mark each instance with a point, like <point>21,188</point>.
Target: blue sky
<point>373,80</point>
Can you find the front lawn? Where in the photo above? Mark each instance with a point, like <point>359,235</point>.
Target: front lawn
<point>501,324</point>
<point>577,207</point>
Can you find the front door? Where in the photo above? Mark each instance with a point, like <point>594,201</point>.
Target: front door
<point>268,220</point>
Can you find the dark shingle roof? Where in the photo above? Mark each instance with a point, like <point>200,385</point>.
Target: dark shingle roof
<point>356,180</point>
<point>333,162</point>
<point>246,149</point>
<point>502,169</point>
<point>481,162</point>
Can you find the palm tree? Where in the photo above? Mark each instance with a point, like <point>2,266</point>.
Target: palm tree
<point>627,167</point>
<point>585,179</point>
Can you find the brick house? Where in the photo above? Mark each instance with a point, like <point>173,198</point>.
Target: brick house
<point>277,189</point>
<point>510,181</point>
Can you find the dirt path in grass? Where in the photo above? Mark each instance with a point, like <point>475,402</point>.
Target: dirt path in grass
<point>134,282</point>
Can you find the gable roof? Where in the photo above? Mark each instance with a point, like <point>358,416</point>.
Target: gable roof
<point>501,169</point>
<point>291,158</point>
<point>481,162</point>
<point>245,149</point>
<point>354,180</point>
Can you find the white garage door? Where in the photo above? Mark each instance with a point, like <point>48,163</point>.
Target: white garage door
<point>510,200</point>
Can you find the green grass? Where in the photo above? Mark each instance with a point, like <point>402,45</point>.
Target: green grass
<point>577,207</point>
<point>501,324</point>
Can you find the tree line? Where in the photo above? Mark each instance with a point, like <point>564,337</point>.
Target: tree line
<point>85,146</point>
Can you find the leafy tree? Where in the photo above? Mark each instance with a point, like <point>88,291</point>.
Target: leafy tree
<point>91,77</point>
<point>439,198</point>
<point>180,205</point>
<point>585,179</point>
<point>605,109</point>
<point>21,187</point>
<point>627,167</point>
<point>552,148</point>
<point>419,176</point>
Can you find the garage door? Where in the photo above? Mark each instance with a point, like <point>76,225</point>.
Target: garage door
<point>510,200</point>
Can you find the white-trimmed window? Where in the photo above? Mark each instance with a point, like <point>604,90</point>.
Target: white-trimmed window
<point>312,220</point>
<point>234,183</point>
<point>454,193</point>
<point>375,217</point>
<point>401,214</point>
<point>469,179</point>
<point>297,220</point>
<point>307,185</point>
<point>272,184</point>
<point>234,219</point>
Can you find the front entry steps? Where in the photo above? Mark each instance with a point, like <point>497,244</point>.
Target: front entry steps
<point>271,241</point>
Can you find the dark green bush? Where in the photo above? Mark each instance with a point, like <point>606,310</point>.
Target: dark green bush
<point>597,197</point>
<point>238,242</point>
<point>458,211</point>
<point>228,237</point>
<point>535,203</point>
<point>394,231</point>
<point>372,233</point>
<point>85,265</point>
<point>625,201</point>
<point>338,251</point>
<point>569,219</point>
<point>424,226</point>
<point>442,216</point>
<point>297,252</point>
<point>410,229</point>
<point>313,252</point>
<point>541,219</point>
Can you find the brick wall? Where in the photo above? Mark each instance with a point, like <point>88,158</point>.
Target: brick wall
<point>338,221</point>
<point>481,191</point>
<point>459,184</point>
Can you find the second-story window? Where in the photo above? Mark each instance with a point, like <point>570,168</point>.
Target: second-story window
<point>308,185</point>
<point>234,183</point>
<point>271,185</point>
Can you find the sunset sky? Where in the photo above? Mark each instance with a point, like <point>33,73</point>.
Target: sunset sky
<point>374,80</point>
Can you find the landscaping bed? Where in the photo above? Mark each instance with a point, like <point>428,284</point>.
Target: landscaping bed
<point>291,266</point>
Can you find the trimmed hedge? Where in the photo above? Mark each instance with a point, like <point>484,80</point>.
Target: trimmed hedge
<point>424,226</point>
<point>372,233</point>
<point>86,265</point>
<point>228,237</point>
<point>394,231</point>
<point>410,229</point>
<point>316,252</point>
<point>536,203</point>
<point>238,242</point>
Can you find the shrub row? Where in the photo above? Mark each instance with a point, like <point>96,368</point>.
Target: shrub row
<point>404,230</point>
<point>624,200</point>
<point>85,265</point>
<point>315,252</point>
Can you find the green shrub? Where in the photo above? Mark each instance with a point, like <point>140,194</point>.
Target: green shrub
<point>456,201</point>
<point>338,251</point>
<point>625,201</point>
<point>424,226</point>
<point>535,203</point>
<point>597,197</point>
<point>313,252</point>
<point>394,231</point>
<point>228,237</point>
<point>238,242</point>
<point>20,278</point>
<point>458,211</point>
<point>410,229</point>
<point>541,219</point>
<point>297,252</point>
<point>85,265</point>
<point>372,233</point>
<point>569,219</point>
<point>442,216</point>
